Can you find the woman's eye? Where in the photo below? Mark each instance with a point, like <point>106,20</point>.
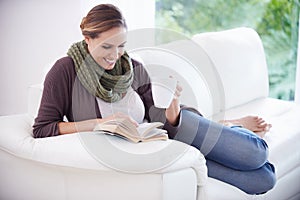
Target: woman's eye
<point>106,47</point>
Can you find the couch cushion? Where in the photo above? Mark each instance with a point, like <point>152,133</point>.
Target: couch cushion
<point>239,58</point>
<point>283,141</point>
<point>284,137</point>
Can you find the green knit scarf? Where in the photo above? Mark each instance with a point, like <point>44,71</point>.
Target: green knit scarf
<point>109,85</point>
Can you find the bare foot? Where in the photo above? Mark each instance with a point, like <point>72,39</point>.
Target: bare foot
<point>252,123</point>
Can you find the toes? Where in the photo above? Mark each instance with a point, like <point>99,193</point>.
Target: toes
<point>265,128</point>
<point>262,125</point>
<point>260,120</point>
<point>257,118</point>
<point>268,127</point>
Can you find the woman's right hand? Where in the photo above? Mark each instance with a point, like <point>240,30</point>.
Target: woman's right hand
<point>89,125</point>
<point>118,115</point>
<point>172,112</point>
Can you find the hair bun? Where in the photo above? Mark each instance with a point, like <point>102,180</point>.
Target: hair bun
<point>83,21</point>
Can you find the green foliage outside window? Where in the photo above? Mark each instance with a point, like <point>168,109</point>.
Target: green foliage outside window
<point>276,21</point>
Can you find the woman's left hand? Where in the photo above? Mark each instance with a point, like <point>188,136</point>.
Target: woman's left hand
<point>172,112</point>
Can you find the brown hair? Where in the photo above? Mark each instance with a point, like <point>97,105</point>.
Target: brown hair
<point>101,18</point>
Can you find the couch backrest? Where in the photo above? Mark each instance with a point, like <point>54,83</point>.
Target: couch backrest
<point>218,70</point>
<point>34,99</point>
<point>172,60</point>
<point>239,58</point>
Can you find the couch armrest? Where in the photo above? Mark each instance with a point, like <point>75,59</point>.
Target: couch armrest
<point>72,150</point>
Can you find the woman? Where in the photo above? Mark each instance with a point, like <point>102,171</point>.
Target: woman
<point>98,81</point>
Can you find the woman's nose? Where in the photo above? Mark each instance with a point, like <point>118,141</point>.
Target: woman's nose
<point>114,53</point>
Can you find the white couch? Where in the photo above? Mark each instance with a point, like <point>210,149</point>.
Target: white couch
<point>224,74</point>
<point>238,56</point>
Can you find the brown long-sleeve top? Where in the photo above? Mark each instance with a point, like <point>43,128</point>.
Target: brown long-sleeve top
<point>64,96</point>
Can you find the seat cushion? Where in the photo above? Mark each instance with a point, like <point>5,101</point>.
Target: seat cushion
<point>284,117</point>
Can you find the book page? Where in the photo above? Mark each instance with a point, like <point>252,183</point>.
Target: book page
<point>125,128</point>
<point>121,127</point>
<point>156,132</point>
<point>144,128</point>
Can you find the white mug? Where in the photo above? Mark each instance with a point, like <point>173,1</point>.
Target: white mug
<point>163,90</point>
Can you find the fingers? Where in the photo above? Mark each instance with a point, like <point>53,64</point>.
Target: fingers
<point>178,91</point>
<point>126,117</point>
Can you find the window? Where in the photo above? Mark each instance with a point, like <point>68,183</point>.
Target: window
<point>276,21</point>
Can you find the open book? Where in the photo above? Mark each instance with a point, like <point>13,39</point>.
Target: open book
<point>125,129</point>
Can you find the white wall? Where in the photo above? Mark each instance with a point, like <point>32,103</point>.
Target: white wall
<point>138,13</point>
<point>34,34</point>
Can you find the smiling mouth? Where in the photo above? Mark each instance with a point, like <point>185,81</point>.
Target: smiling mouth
<point>110,61</point>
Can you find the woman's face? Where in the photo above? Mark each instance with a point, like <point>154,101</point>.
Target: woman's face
<point>108,47</point>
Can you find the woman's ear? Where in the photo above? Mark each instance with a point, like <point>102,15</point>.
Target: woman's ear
<point>87,39</point>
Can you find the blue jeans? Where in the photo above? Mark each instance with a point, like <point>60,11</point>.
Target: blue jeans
<point>234,155</point>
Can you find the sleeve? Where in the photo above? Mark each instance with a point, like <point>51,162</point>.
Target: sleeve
<point>55,101</point>
<point>142,85</point>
